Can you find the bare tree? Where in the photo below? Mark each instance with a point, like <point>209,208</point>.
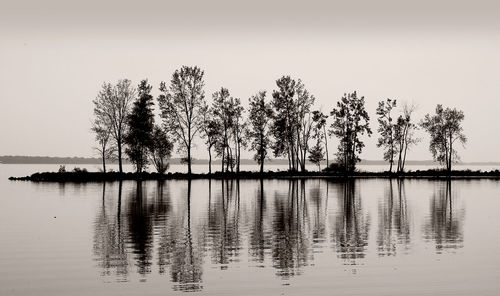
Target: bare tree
<point>181,104</point>
<point>111,107</point>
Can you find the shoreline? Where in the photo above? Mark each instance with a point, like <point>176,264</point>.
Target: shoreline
<point>82,176</point>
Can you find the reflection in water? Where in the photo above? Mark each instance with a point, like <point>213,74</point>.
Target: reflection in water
<point>290,230</point>
<point>109,242</point>
<point>445,224</point>
<point>351,225</point>
<point>181,228</point>
<point>394,225</point>
<point>223,224</point>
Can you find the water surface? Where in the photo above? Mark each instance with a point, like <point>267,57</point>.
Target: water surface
<point>249,237</point>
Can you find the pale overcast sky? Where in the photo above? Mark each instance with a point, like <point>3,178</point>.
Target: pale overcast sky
<point>54,55</point>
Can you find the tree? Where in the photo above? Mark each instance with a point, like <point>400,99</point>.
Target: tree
<point>304,125</point>
<point>238,129</point>
<point>111,107</point>
<point>319,120</point>
<point>102,136</point>
<point>228,113</point>
<point>445,128</point>
<point>292,122</point>
<point>386,129</point>
<point>160,150</point>
<point>210,132</point>
<point>140,127</point>
<point>181,104</point>
<point>316,154</point>
<point>258,132</point>
<point>350,121</point>
<point>404,134</point>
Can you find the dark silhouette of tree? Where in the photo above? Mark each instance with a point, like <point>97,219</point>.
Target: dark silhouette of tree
<point>111,107</point>
<point>303,129</point>
<point>350,121</point>
<point>386,129</point>
<point>140,128</point>
<point>284,120</point>
<point>404,134</point>
<point>210,132</point>
<point>445,128</point>
<point>221,107</point>
<point>319,120</point>
<point>102,133</point>
<point>228,113</point>
<point>260,114</point>
<point>316,154</point>
<point>160,150</point>
<point>181,104</point>
<point>292,122</point>
<point>239,130</point>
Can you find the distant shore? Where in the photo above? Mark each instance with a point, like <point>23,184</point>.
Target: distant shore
<point>83,176</point>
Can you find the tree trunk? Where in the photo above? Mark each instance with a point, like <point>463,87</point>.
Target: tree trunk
<point>209,161</point>
<point>119,143</point>
<point>222,161</point>
<point>104,160</point>
<point>261,153</point>
<point>326,144</point>
<point>189,158</point>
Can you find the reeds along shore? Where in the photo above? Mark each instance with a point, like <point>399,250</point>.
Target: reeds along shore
<point>116,176</point>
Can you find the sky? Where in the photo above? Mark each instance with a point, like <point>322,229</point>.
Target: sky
<point>55,55</point>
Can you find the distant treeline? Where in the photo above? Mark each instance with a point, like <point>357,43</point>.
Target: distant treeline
<point>285,123</point>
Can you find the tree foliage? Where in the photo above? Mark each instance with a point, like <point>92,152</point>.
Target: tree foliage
<point>111,108</point>
<point>140,128</point>
<point>445,129</point>
<point>292,122</point>
<point>350,122</point>
<point>160,150</point>
<point>386,130</point>
<point>180,104</point>
<point>260,114</point>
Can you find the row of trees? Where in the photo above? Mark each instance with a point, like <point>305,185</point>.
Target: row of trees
<point>285,124</point>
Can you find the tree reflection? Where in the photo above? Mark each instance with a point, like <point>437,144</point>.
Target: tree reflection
<point>445,224</point>
<point>259,241</point>
<point>223,224</point>
<point>393,224</point>
<point>350,226</point>
<point>109,244</point>
<point>290,241</point>
<point>140,226</point>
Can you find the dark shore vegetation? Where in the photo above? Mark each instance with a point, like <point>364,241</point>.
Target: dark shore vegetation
<point>84,176</point>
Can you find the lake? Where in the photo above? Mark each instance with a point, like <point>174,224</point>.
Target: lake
<point>248,237</point>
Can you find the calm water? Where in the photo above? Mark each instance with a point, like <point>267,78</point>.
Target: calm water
<point>272,237</point>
